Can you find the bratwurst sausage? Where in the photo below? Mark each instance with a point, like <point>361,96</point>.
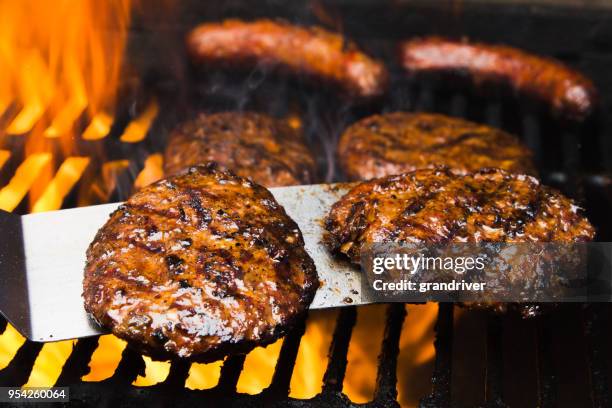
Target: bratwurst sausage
<point>312,52</point>
<point>569,93</point>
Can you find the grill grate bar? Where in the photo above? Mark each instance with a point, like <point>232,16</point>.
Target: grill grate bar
<point>338,351</point>
<point>286,361</point>
<point>571,164</point>
<point>494,368</point>
<point>77,364</point>
<point>441,378</point>
<point>546,375</point>
<point>425,99</point>
<point>386,378</point>
<point>179,371</point>
<point>130,366</point>
<point>458,105</point>
<point>596,317</point>
<point>17,372</point>
<point>493,114</point>
<point>532,136</point>
<point>230,373</point>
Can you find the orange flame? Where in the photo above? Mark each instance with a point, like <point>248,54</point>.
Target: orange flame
<point>4,156</point>
<point>61,65</point>
<point>153,170</point>
<point>60,60</point>
<point>25,176</point>
<point>137,130</point>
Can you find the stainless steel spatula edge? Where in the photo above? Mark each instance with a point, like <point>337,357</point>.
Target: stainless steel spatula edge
<point>42,258</point>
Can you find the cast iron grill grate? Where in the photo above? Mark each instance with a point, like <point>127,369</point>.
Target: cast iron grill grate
<point>117,390</point>
<point>171,392</point>
<point>561,164</point>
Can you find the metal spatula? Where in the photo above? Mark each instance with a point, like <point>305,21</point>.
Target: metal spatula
<point>42,258</point>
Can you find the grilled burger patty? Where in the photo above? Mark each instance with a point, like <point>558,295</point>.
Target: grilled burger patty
<point>309,51</point>
<point>199,265</point>
<point>399,142</point>
<point>566,91</point>
<point>437,206</point>
<point>254,145</point>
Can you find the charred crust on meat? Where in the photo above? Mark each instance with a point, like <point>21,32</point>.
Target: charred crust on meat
<point>250,144</point>
<point>237,281</point>
<point>438,206</point>
<point>430,204</point>
<point>399,142</point>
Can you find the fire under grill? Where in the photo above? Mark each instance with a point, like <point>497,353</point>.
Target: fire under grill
<point>543,334</point>
<point>557,359</point>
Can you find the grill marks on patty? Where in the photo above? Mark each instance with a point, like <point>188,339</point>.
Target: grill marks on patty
<point>253,145</point>
<point>198,266</point>
<point>399,142</point>
<point>437,206</point>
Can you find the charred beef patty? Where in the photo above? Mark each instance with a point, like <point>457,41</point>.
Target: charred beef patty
<point>267,150</point>
<point>399,142</point>
<point>568,93</point>
<point>437,206</point>
<point>307,51</point>
<point>199,265</point>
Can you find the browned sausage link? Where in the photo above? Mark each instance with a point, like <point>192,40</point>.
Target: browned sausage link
<point>305,51</point>
<point>569,93</point>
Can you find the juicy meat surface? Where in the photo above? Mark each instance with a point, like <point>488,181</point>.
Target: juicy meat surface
<point>399,142</point>
<point>569,93</point>
<point>199,265</point>
<point>437,206</point>
<point>254,145</point>
<point>308,51</point>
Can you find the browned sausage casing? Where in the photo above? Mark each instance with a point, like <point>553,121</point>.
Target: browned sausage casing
<point>569,93</point>
<point>309,51</point>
